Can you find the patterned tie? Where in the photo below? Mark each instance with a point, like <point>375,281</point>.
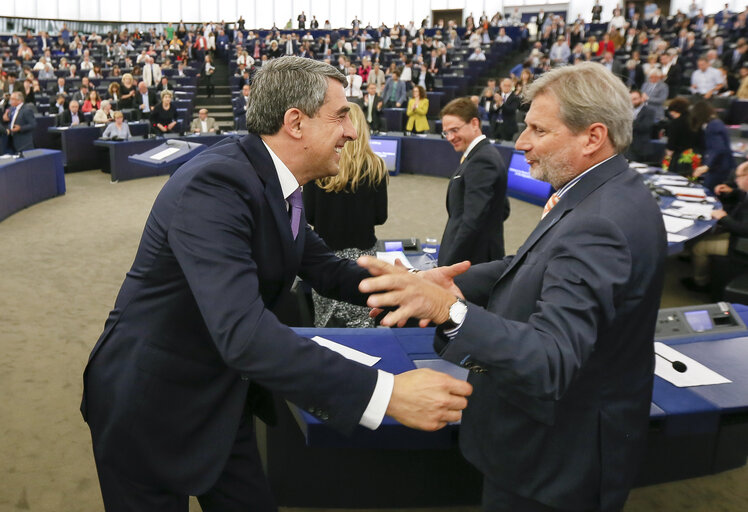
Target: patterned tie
<point>549,205</point>
<point>294,203</point>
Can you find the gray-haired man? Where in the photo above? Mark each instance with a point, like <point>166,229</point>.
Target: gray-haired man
<point>193,347</point>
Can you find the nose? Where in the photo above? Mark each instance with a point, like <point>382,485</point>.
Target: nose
<point>522,144</point>
<point>349,131</point>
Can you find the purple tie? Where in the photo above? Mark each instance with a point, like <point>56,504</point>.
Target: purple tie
<point>295,202</point>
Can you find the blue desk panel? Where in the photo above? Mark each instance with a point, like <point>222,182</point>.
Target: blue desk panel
<point>29,180</point>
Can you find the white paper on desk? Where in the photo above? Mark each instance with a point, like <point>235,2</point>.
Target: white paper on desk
<point>674,224</point>
<point>693,209</point>
<point>392,256</point>
<point>696,374</point>
<point>674,238</point>
<point>686,191</point>
<point>347,352</point>
<point>163,154</point>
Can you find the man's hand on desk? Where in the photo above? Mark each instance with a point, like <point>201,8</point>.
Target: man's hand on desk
<point>718,214</point>
<point>427,299</point>
<point>427,400</point>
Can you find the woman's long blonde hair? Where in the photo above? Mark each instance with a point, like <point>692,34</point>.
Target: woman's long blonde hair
<point>358,163</point>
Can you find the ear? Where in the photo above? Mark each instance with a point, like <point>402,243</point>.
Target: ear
<point>597,137</point>
<point>292,122</point>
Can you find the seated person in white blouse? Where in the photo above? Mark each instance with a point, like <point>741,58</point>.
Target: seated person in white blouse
<point>118,128</point>
<point>104,114</point>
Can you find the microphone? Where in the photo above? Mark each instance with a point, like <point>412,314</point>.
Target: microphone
<point>678,366</point>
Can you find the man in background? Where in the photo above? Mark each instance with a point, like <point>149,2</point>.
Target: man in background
<point>476,195</point>
<point>18,123</point>
<point>203,123</point>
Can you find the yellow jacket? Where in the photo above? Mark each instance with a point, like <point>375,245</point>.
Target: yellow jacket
<point>417,115</point>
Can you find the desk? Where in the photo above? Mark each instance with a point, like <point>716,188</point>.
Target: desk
<point>29,180</point>
<point>693,432</point>
<point>119,151</point>
<point>78,148</point>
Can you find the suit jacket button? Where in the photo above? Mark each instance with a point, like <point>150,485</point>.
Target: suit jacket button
<point>324,416</point>
<point>245,377</point>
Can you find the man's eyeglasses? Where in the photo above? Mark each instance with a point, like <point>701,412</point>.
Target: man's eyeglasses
<point>452,131</point>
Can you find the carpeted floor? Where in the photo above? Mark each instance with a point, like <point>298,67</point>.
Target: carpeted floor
<point>62,263</point>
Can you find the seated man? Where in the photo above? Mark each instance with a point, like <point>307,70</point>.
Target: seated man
<point>145,100</point>
<point>70,117</point>
<point>733,223</point>
<point>59,106</point>
<point>203,123</point>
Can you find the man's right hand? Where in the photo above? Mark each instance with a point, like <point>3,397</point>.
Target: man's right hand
<point>427,400</point>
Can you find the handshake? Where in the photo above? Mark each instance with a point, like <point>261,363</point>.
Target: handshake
<point>422,399</point>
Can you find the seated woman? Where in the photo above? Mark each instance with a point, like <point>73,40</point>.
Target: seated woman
<point>717,153</point>
<point>118,129</point>
<point>104,114</point>
<point>164,115</point>
<point>418,106</point>
<point>92,102</point>
<point>344,210</point>
<point>113,94</point>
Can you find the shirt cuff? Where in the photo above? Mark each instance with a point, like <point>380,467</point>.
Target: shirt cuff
<point>380,399</point>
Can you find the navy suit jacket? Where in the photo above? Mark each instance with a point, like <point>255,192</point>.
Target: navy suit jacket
<point>559,340</point>
<point>24,140</point>
<point>192,341</point>
<point>477,206</point>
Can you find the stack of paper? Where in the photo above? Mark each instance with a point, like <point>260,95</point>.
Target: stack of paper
<point>392,256</point>
<point>686,192</point>
<point>675,224</point>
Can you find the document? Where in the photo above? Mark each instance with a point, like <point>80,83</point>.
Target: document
<point>695,374</point>
<point>695,209</point>
<point>163,154</point>
<point>675,224</point>
<point>347,352</point>
<point>686,192</point>
<point>674,238</point>
<point>392,256</point>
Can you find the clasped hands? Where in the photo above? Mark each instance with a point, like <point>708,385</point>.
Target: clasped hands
<point>423,398</point>
<point>424,295</point>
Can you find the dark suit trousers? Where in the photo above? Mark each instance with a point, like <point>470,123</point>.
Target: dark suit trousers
<point>242,485</point>
<point>496,499</point>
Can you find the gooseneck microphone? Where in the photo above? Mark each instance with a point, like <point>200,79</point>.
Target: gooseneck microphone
<point>678,366</point>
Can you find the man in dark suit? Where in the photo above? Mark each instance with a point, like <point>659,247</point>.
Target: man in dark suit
<point>641,149</point>
<point>145,100</point>
<point>673,72</point>
<point>735,58</point>
<point>59,87</point>
<point>476,195</point>
<point>394,92</point>
<point>558,338</point>
<point>70,117</point>
<point>18,123</point>
<point>506,113</point>
<point>193,348</point>
<point>372,108</point>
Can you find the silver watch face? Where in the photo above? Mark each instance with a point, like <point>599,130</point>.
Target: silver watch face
<point>457,312</point>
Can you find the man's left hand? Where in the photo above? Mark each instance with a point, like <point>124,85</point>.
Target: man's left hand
<point>413,296</point>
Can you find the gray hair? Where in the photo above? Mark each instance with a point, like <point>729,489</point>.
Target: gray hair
<point>588,93</point>
<point>284,83</point>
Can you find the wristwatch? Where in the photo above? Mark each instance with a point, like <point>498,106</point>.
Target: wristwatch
<point>457,312</point>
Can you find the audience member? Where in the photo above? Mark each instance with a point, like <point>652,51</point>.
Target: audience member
<point>418,106</point>
<point>344,210</point>
<point>119,129</point>
<point>203,124</point>
<point>164,115</point>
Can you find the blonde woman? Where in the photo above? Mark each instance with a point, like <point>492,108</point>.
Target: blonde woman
<point>344,210</point>
<point>127,92</point>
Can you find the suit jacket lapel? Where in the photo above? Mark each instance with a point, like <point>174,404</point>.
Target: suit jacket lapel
<point>569,201</point>
<point>262,163</point>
